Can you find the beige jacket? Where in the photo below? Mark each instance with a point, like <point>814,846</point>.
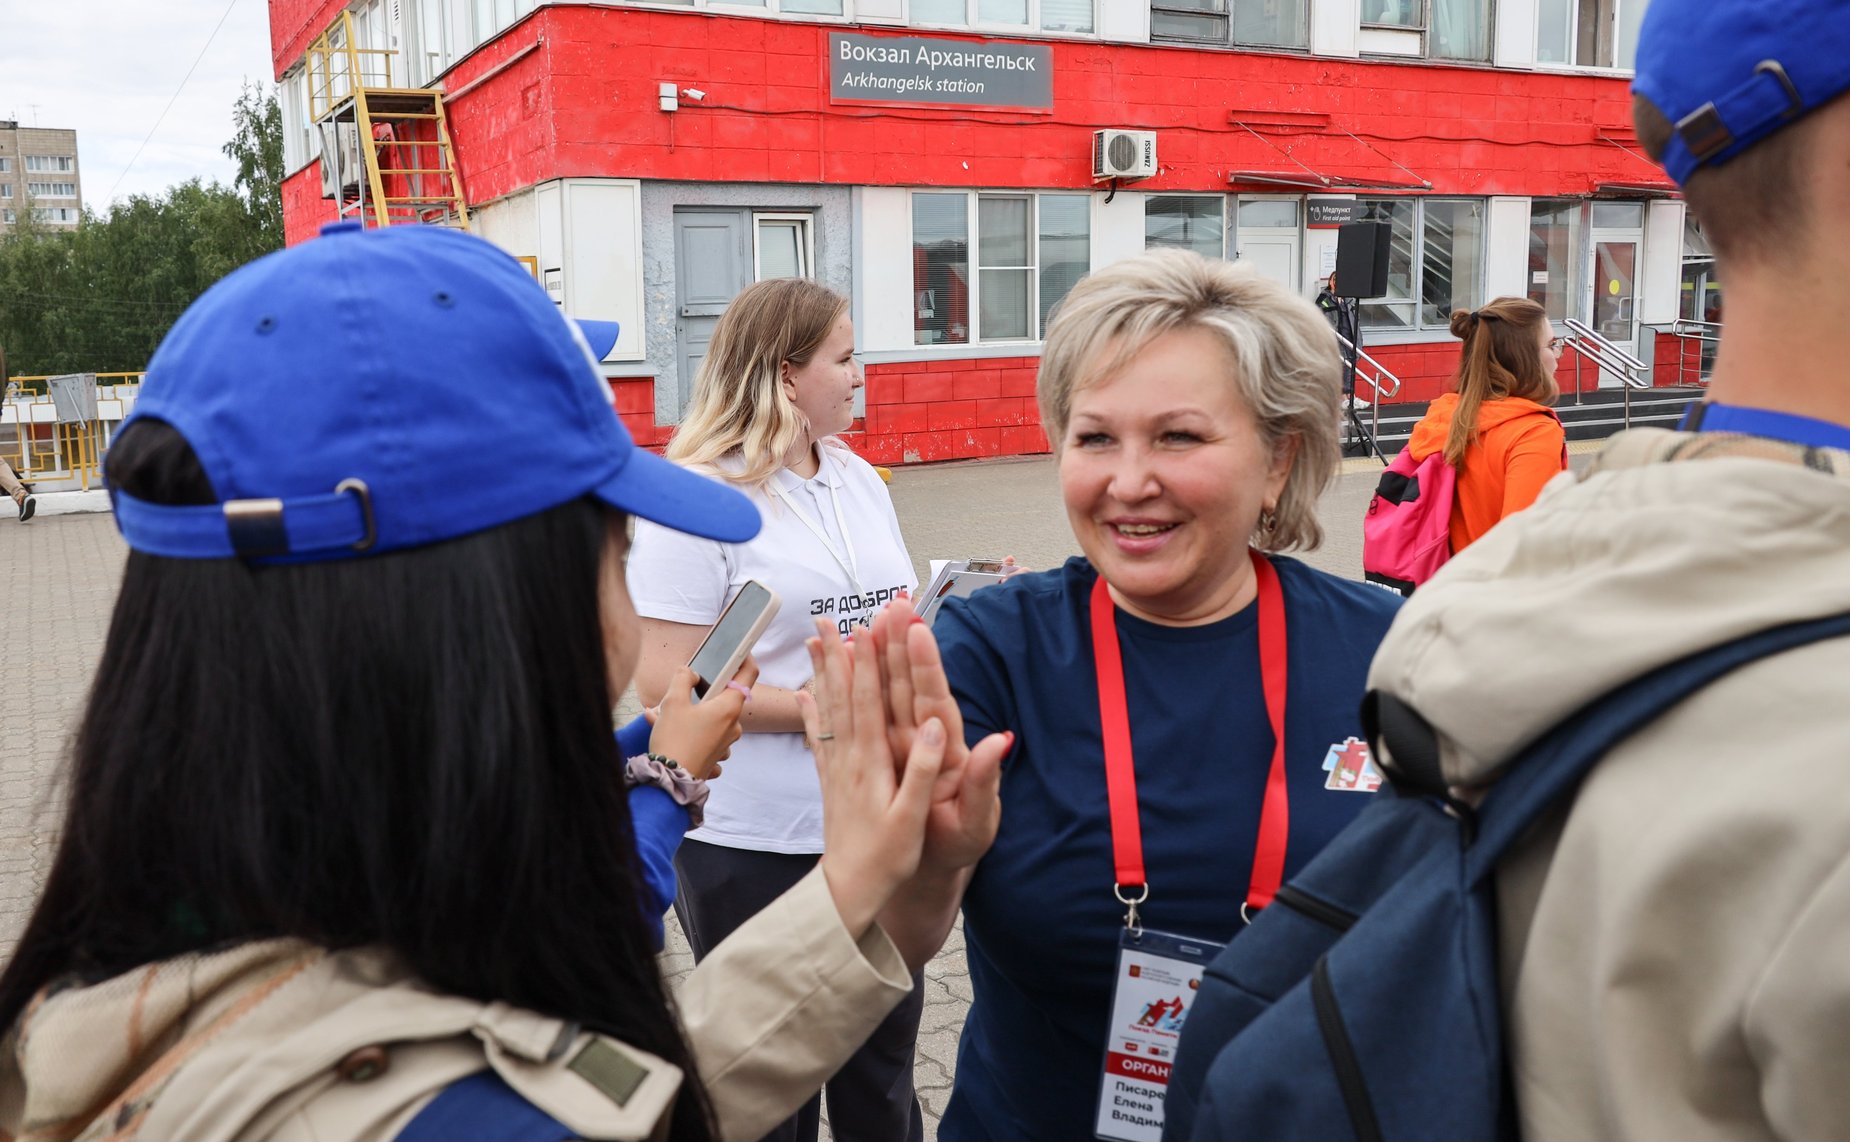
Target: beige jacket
<point>284,1041</point>
<point>1676,944</point>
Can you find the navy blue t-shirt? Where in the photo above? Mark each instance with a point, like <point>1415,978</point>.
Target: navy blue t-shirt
<point>1040,922</point>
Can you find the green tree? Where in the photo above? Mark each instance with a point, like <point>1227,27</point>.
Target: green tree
<point>100,298</point>
<point>257,148</point>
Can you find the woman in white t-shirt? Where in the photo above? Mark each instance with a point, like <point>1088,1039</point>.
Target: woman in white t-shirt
<point>776,386</point>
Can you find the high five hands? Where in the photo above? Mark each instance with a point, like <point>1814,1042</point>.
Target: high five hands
<point>908,808</point>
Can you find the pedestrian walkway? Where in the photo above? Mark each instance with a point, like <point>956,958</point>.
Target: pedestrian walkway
<point>63,572</point>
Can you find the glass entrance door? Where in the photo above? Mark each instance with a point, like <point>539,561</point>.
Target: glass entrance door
<point>1615,291</point>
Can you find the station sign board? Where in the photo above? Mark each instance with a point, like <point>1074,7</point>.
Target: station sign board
<point>919,69</point>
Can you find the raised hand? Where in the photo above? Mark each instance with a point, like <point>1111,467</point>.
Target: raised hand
<point>873,811</point>
<point>965,805</point>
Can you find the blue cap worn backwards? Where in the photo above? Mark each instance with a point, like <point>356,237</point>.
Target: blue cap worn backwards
<point>374,390</point>
<point>1728,73</point>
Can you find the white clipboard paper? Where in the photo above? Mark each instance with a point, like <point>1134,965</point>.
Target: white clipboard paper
<point>956,578</point>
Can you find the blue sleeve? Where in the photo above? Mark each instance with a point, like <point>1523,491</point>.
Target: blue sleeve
<point>659,823</point>
<point>633,738</point>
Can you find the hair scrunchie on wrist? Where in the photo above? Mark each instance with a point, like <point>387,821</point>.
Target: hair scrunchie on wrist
<point>663,773</point>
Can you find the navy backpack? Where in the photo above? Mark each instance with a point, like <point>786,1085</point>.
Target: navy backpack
<point>1365,1004</point>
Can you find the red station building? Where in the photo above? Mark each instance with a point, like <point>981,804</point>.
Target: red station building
<point>954,166</point>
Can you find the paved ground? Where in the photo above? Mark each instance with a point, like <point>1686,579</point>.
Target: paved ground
<point>64,570</point>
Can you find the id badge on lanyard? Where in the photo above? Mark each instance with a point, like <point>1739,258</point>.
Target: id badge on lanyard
<point>1159,973</point>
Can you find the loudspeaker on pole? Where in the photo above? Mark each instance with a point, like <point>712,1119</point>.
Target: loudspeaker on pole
<point>1362,259</point>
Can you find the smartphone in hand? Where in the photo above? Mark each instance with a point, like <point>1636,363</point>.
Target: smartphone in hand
<point>724,649</point>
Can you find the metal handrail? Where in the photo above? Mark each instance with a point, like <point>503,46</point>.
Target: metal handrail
<point>1380,373</point>
<point>1588,345</point>
<point>71,451</point>
<point>1690,327</point>
<point>336,71</point>
<point>1685,330</point>
<point>1608,349</point>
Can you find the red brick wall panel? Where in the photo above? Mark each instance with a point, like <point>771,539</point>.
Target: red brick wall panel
<point>304,210</point>
<point>294,24</point>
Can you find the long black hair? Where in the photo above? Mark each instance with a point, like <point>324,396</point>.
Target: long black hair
<point>411,751</point>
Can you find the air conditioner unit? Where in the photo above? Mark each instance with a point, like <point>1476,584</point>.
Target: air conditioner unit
<point>341,170</point>
<point>1123,154</point>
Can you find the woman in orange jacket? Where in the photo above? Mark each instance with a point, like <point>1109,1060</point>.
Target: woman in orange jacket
<point>1497,429</point>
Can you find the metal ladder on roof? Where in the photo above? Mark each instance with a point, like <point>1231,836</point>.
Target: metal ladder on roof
<point>387,156</point>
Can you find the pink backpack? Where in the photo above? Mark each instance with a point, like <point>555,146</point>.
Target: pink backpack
<point>1406,536</point>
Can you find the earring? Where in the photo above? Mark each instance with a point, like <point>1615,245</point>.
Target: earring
<point>1268,520</point>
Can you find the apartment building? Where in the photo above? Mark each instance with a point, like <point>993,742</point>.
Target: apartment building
<point>954,166</point>
<point>39,173</point>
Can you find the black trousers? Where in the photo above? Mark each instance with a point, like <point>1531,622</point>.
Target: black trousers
<point>870,1098</point>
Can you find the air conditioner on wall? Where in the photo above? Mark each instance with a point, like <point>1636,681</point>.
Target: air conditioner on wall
<point>1118,153</point>
<point>341,171</point>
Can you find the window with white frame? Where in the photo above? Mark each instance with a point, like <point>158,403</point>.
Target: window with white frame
<point>1451,29</point>
<point>52,189</point>
<point>1555,255</point>
<point>781,246</point>
<point>50,164</point>
<point>8,216</point>
<point>1195,222</point>
<point>491,16</point>
<point>788,7</point>
<point>55,213</point>
<point>1435,261</point>
<point>1589,33</point>
<point>6,164</point>
<point>436,37</point>
<point>1031,249</point>
<point>1047,15</point>
<point>1249,23</point>
<point>6,190</point>
<point>299,145</point>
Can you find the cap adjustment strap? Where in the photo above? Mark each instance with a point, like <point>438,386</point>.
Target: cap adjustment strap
<point>256,528</point>
<point>251,528</point>
<point>1739,117</point>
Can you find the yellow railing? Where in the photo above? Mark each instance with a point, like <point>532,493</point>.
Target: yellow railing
<point>336,67</point>
<point>42,450</point>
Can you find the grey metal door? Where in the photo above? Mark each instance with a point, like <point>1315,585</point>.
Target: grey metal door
<point>713,262</point>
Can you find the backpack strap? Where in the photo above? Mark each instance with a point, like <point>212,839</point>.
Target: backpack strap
<point>482,1107</point>
<point>1554,765</point>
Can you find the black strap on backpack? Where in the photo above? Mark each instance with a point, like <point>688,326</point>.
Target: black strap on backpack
<point>1554,764</point>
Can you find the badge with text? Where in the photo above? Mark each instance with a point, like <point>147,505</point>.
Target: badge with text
<point>1158,978</point>
<point>1351,768</point>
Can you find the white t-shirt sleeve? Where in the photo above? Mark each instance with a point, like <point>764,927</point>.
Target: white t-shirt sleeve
<point>677,577</point>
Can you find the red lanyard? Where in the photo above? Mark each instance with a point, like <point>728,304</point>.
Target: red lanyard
<point>1120,770</point>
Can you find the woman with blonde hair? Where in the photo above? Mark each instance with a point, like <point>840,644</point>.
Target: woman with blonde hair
<point>1183,674</point>
<point>1496,427</point>
<point>776,387</point>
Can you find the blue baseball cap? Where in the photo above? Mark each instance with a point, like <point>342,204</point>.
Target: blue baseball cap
<point>1728,73</point>
<point>374,390</point>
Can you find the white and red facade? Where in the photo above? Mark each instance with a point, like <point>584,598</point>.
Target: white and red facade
<point>954,228</point>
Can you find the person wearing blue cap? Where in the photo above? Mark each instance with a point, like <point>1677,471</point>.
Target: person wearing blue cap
<point>1672,944</point>
<point>349,849</point>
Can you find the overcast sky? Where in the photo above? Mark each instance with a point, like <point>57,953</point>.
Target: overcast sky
<point>106,68</point>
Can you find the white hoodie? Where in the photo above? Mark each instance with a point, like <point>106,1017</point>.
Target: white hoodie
<point>1676,944</point>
